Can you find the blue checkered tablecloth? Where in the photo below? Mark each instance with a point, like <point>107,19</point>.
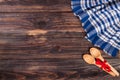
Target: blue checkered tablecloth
<point>101,21</point>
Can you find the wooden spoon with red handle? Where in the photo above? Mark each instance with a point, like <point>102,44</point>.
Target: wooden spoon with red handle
<point>97,54</point>
<point>91,60</point>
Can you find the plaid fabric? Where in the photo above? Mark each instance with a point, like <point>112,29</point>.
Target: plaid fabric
<point>101,21</point>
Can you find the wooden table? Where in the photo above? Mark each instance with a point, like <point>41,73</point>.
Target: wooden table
<point>43,40</point>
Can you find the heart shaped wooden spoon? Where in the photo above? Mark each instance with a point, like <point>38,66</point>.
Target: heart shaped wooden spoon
<point>91,60</point>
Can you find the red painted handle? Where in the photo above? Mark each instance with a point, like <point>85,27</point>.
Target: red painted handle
<point>103,65</point>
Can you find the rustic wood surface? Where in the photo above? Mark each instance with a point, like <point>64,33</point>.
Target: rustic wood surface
<point>43,40</point>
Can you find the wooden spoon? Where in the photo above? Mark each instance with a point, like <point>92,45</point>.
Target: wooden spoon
<point>97,54</point>
<point>91,60</point>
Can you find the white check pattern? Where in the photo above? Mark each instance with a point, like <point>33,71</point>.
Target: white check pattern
<point>101,21</point>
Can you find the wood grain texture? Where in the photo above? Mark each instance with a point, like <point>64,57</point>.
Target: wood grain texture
<point>35,6</point>
<point>43,40</point>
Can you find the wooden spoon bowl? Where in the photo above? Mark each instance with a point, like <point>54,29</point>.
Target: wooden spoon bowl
<point>89,59</point>
<point>95,52</point>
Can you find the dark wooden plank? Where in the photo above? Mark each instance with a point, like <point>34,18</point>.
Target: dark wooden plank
<point>51,42</point>
<point>50,21</point>
<point>53,69</point>
<point>35,6</point>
